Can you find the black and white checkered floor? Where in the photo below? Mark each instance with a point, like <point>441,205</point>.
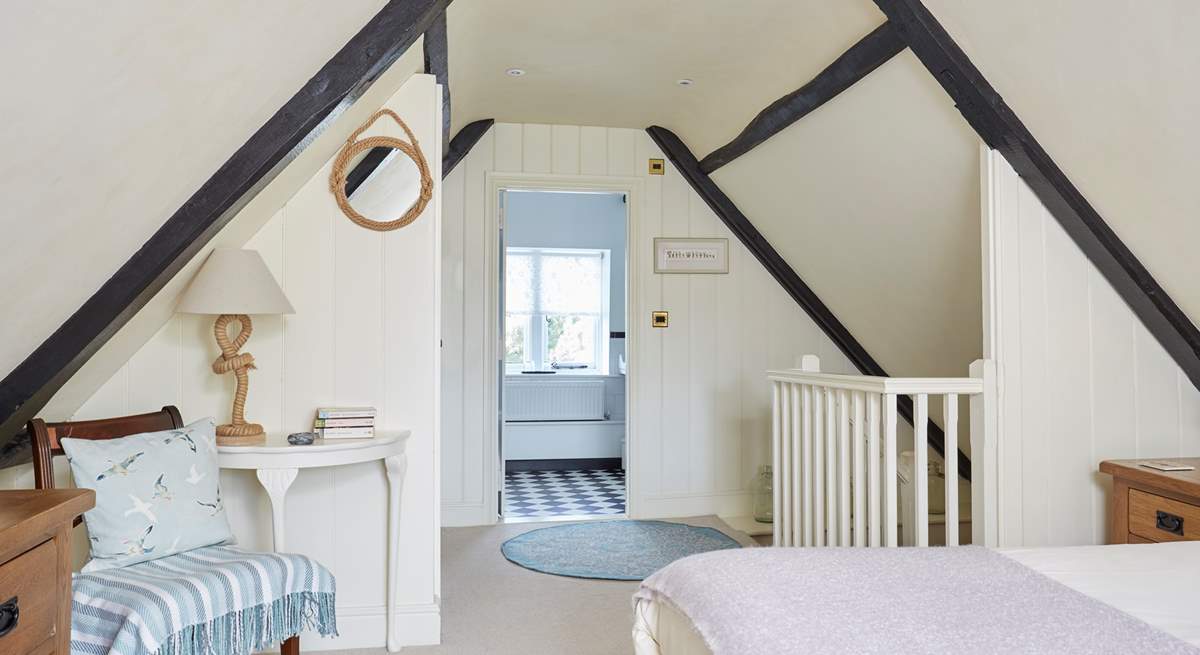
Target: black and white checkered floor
<point>530,494</point>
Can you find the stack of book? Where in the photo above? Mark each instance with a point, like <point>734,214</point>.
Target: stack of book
<point>345,422</point>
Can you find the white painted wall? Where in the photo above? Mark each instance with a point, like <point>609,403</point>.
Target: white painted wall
<point>1101,85</point>
<point>268,201</point>
<point>705,420</point>
<point>364,333</point>
<point>123,112</point>
<point>873,199</point>
<point>1082,380</point>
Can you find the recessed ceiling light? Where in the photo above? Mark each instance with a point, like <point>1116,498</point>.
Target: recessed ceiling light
<point>684,82</point>
<point>515,72</point>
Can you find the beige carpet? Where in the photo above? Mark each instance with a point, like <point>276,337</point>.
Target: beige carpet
<point>491,606</point>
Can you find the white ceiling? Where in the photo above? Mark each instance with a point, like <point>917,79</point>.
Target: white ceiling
<point>125,109</point>
<point>615,63</point>
<point>1111,89</point>
<point>115,113</point>
<point>874,200</point>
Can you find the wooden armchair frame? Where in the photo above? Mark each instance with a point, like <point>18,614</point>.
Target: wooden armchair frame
<point>46,440</point>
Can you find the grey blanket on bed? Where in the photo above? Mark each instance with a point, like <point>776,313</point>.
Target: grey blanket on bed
<point>891,600</point>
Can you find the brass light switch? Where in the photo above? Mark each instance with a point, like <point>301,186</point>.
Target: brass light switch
<point>657,167</point>
<point>658,319</point>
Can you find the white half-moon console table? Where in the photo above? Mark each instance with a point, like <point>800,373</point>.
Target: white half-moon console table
<point>276,463</point>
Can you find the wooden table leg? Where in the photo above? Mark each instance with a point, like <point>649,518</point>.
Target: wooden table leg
<point>290,647</point>
<point>396,467</point>
<point>1118,520</point>
<point>276,482</point>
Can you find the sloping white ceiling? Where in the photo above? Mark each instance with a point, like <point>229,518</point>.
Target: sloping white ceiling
<point>1109,90</point>
<point>874,200</point>
<point>115,113</point>
<point>124,110</point>
<point>615,63</point>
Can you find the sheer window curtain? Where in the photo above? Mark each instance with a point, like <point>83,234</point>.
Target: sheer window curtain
<point>557,308</point>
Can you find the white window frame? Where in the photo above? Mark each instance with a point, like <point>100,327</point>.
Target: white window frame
<point>535,326</point>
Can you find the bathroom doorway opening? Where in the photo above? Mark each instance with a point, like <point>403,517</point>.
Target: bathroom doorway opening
<point>563,279</point>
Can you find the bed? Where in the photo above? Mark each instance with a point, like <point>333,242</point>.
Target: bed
<point>1121,598</point>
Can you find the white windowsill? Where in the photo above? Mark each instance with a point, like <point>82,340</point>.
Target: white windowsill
<point>564,373</point>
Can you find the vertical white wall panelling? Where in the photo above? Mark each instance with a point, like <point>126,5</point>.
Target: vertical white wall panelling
<point>728,471</point>
<point>1067,390</point>
<point>476,373</point>
<point>1113,388</point>
<point>622,148</point>
<point>1157,409</point>
<point>678,436</point>
<point>535,148</point>
<point>510,148</point>
<point>1189,415</point>
<point>365,331</point>
<point>753,287</point>
<point>564,160</point>
<point>358,360</point>
<point>593,151</point>
<point>453,262</point>
<point>704,424</point>
<point>412,362</point>
<point>649,340</point>
<point>703,405</point>
<point>156,367</point>
<point>1033,333</point>
<point>1082,379</point>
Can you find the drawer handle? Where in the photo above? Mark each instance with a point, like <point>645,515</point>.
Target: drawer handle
<point>1168,522</point>
<point>9,614</point>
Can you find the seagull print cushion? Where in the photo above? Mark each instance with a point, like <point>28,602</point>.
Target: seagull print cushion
<point>157,493</point>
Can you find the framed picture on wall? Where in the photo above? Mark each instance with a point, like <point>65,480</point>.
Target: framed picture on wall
<point>691,255</point>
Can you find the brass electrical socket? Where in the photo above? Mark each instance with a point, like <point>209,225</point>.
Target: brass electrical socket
<point>659,319</point>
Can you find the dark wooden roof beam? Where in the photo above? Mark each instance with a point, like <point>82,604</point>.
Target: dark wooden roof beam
<point>998,125</point>
<point>856,63</point>
<point>765,253</point>
<point>437,63</point>
<point>462,143</point>
<point>341,81</point>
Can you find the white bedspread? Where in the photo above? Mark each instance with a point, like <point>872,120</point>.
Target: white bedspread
<point>929,600</point>
<point>1157,583</point>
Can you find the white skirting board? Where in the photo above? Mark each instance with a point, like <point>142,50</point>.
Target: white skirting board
<point>733,503</point>
<point>364,627</point>
<point>460,515</point>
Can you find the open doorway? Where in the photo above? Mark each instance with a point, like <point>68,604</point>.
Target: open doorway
<point>562,433</point>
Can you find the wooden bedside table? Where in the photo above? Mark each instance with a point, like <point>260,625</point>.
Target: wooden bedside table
<point>1151,506</point>
<point>35,568</point>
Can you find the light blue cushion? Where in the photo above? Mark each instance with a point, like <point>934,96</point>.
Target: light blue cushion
<point>157,493</point>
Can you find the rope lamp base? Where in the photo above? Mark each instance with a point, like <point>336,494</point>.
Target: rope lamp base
<point>229,434</point>
<point>239,432</point>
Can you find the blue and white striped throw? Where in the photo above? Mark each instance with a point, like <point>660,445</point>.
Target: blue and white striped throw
<point>215,600</point>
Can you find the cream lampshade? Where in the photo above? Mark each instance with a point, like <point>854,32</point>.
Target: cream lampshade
<point>234,284</point>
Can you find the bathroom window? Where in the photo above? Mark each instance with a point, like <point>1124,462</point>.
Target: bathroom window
<point>556,309</point>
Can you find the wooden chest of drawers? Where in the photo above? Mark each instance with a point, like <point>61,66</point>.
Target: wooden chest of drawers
<point>1149,506</point>
<point>35,568</point>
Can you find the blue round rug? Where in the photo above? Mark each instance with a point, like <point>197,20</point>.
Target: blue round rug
<point>611,550</point>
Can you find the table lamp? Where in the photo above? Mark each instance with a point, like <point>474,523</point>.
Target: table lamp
<point>234,284</point>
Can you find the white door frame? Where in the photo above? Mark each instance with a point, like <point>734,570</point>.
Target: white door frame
<point>493,338</point>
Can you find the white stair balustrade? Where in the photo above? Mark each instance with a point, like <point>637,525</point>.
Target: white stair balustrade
<point>838,466</point>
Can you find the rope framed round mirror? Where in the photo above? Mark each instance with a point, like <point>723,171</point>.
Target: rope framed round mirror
<point>381,183</point>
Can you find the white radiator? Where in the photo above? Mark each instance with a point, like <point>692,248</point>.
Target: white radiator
<point>551,398</point>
